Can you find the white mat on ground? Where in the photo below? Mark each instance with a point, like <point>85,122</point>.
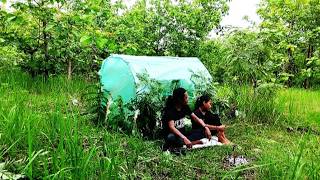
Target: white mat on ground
<point>207,143</point>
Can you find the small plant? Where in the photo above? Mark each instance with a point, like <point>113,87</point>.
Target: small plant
<point>142,115</point>
<point>120,118</point>
<point>96,102</point>
<point>150,102</point>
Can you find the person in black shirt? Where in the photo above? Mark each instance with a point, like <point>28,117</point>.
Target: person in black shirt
<point>212,121</point>
<point>176,109</point>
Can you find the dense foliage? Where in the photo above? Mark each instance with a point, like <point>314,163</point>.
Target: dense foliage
<point>283,48</point>
<point>67,37</point>
<point>74,36</point>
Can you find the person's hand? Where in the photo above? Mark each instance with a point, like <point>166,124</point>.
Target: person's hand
<point>187,142</point>
<point>221,128</point>
<point>207,132</point>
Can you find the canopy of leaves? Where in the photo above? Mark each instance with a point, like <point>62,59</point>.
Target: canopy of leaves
<point>74,36</point>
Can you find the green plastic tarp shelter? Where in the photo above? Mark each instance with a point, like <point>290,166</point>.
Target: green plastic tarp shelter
<point>118,73</point>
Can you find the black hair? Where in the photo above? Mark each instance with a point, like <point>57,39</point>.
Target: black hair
<point>199,102</point>
<point>176,98</point>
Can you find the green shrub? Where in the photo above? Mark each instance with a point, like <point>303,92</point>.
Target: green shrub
<point>9,57</point>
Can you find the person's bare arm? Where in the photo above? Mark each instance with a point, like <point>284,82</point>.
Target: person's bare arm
<point>204,125</point>
<point>175,131</point>
<point>218,128</point>
<point>198,120</point>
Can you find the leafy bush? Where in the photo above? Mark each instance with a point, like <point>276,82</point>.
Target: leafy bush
<point>150,103</point>
<point>9,57</point>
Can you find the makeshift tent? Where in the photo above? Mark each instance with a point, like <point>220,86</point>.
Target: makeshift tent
<point>118,73</point>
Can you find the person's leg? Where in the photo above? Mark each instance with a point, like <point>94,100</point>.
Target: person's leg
<point>174,144</point>
<point>195,135</point>
<point>222,138</point>
<point>173,141</point>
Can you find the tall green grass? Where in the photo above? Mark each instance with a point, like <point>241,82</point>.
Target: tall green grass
<point>255,105</point>
<point>280,133</point>
<point>300,107</point>
<point>43,136</point>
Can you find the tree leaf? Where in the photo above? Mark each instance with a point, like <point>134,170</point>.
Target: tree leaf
<point>48,28</point>
<point>85,40</point>
<point>10,19</point>
<point>101,42</point>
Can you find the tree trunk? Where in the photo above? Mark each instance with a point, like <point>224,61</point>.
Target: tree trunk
<point>45,48</point>
<point>32,71</point>
<point>69,69</point>
<point>306,83</point>
<point>290,68</point>
<point>254,82</point>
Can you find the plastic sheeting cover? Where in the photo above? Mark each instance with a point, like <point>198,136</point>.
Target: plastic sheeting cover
<point>119,72</point>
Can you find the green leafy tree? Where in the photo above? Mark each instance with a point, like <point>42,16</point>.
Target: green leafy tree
<point>293,32</point>
<point>165,27</point>
<point>58,36</point>
<point>213,54</point>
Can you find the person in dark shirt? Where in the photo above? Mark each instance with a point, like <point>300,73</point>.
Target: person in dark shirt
<point>175,111</point>
<point>212,121</point>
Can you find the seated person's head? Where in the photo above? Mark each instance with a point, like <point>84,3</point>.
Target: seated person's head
<point>204,102</point>
<point>180,96</point>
